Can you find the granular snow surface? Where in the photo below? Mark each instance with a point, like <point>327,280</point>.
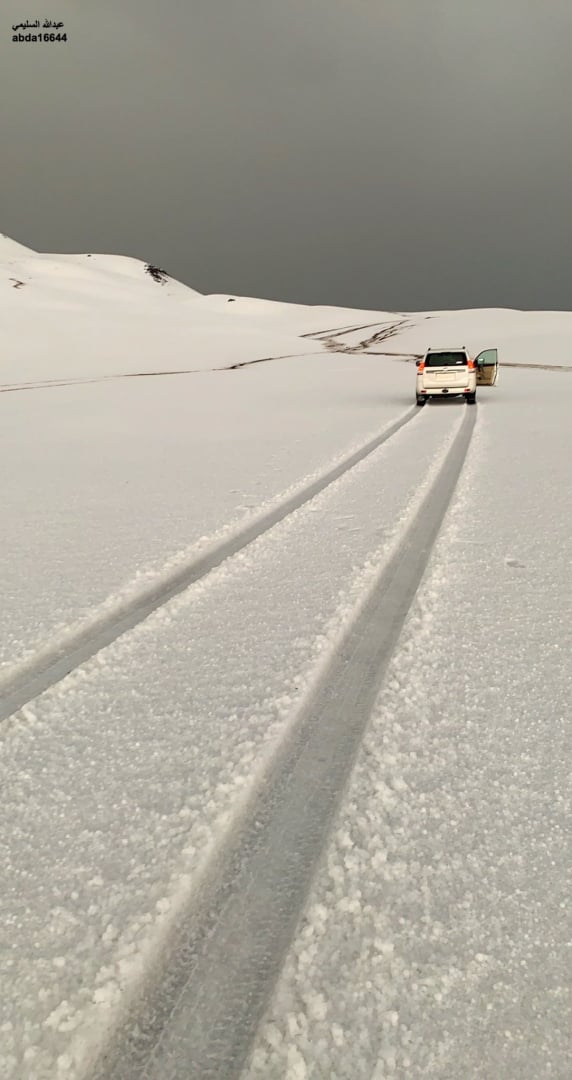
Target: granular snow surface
<point>437,940</point>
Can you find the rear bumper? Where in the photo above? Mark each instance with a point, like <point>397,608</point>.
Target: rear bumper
<point>447,391</point>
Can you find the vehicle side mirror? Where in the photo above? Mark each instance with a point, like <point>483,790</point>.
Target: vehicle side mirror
<point>417,362</point>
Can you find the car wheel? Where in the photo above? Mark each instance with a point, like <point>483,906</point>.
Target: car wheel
<point>471,399</point>
<point>420,400</point>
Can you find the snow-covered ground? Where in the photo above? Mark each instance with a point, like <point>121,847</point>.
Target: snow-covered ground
<point>131,440</point>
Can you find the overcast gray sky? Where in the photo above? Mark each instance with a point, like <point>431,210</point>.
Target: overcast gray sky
<point>397,154</point>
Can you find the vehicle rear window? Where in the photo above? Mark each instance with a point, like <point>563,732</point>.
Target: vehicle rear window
<point>445,359</point>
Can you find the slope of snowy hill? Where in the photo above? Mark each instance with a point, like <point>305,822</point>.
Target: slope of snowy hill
<point>79,316</point>
<point>87,277</point>
<point>95,315</point>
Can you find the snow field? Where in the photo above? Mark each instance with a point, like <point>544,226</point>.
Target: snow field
<point>436,941</point>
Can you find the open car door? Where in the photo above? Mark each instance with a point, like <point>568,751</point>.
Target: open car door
<point>487,365</point>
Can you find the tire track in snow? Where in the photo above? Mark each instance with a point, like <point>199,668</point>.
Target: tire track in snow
<point>221,965</point>
<point>538,367</point>
<point>50,384</point>
<point>47,384</point>
<point>385,331</point>
<point>27,679</point>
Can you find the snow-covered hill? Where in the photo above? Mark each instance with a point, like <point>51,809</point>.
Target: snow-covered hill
<point>86,279</point>
<point>81,316</point>
<point>65,317</point>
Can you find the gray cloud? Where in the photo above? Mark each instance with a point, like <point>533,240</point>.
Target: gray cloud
<point>376,153</point>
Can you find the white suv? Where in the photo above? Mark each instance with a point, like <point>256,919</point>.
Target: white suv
<point>451,371</point>
<point>446,371</point>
